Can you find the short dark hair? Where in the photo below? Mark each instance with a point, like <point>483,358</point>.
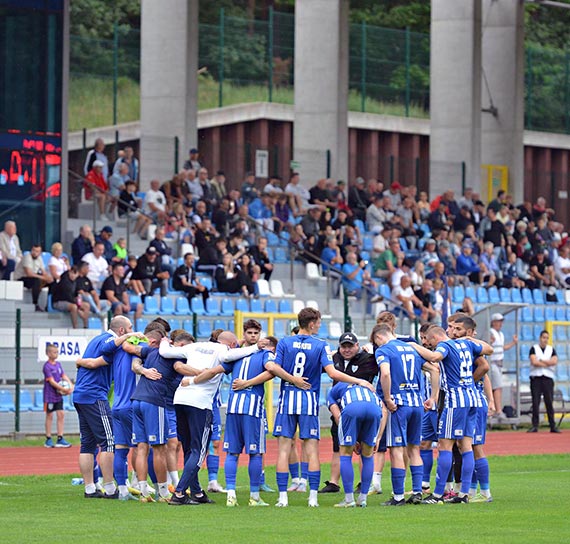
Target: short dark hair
<point>272,341</point>
<point>307,316</point>
<point>163,322</point>
<point>183,337</point>
<point>467,321</point>
<point>252,324</point>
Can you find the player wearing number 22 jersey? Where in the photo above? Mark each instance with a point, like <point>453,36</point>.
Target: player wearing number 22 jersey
<point>307,356</point>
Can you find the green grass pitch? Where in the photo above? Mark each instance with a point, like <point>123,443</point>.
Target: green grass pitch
<point>531,505</point>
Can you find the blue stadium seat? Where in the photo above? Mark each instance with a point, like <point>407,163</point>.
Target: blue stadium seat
<point>505,294</point>
<point>94,323</point>
<point>206,281</point>
<point>182,306</point>
<point>323,330</point>
<point>188,326</point>
<point>527,296</point>
<point>281,255</point>
<point>150,305</point>
<point>516,295</point>
<point>256,306</point>
<point>197,306</point>
<point>567,314</point>
<point>134,300</point>
<point>524,374</point>
<point>385,290</point>
<point>562,369</point>
<point>7,401</point>
<point>279,328</point>
<point>270,254</point>
<point>271,306</point>
<point>549,313</point>
<point>166,306</point>
<point>174,323</point>
<point>526,315</point>
<point>68,403</point>
<point>141,324</point>
<point>537,329</point>
<point>231,325</point>
<point>560,313</point>
<point>50,307</point>
<point>565,390</point>
<point>26,402</point>
<point>539,314</point>
<point>39,400</point>
<point>272,238</point>
<point>560,334</point>
<point>220,324</point>
<point>204,328</point>
<point>367,243</point>
<point>360,225</point>
<point>494,295</point>
<point>524,349</point>
<point>285,306</point>
<point>561,296</point>
<point>227,307</point>
<point>470,292</point>
<point>284,238</point>
<point>213,306</point>
<point>526,333</point>
<point>458,294</point>
<point>482,295</point>
<point>538,296</point>
<point>365,255</point>
<point>242,305</point>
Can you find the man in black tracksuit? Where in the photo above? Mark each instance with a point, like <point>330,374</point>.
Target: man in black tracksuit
<point>352,360</point>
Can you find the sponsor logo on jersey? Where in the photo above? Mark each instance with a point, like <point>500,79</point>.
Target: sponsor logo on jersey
<point>314,432</point>
<point>253,447</point>
<point>151,437</point>
<point>278,429</point>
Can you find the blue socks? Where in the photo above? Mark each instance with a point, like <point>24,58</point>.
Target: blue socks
<point>347,473</point>
<point>427,460</point>
<point>417,473</point>
<point>314,479</point>
<point>304,470</point>
<point>467,471</point>
<point>398,479</point>
<point>254,469</point>
<point>120,465</point>
<point>282,480</point>
<point>230,467</point>
<point>294,470</point>
<point>482,473</point>
<point>444,462</point>
<point>366,473</point>
<point>213,465</point>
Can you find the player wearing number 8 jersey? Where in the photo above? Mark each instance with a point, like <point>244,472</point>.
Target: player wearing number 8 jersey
<point>458,418</point>
<point>401,387</point>
<point>303,355</point>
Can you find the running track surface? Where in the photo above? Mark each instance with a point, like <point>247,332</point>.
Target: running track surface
<point>39,460</point>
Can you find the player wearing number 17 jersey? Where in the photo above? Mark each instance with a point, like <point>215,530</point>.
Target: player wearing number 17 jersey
<point>305,356</point>
<point>458,418</point>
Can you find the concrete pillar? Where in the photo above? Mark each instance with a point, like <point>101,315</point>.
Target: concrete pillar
<point>321,88</point>
<point>169,85</point>
<point>503,66</point>
<point>455,94</point>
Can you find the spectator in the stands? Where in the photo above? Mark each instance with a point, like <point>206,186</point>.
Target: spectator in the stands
<point>58,262</point>
<point>64,297</point>
<point>96,186</point>
<point>32,272</point>
<point>510,277</point>
<point>98,265</point>
<point>200,212</point>
<point>333,259</point>
<point>408,219</point>
<point>10,248</point>
<point>133,285</point>
<point>176,224</point>
<point>438,219</point>
<point>104,237</point>
<point>504,216</point>
<point>446,257</point>
<point>466,199</point>
<point>185,279</point>
<point>417,275</point>
<point>206,237</point>
<point>207,192</point>
<point>83,244</point>
<point>149,271</point>
<point>493,231</point>
<point>163,249</point>
<point>97,154</point>
<point>438,272</point>
<point>261,210</point>
<point>221,217</point>
<point>543,233</point>
<point>129,159</point>
<point>252,271</point>
<point>358,199</point>
<point>423,206</point>
<point>478,214</point>
<point>429,255</point>
<point>381,240</point>
<point>394,194</point>
<point>248,190</point>
<point>467,266</point>
<point>299,196</point>
<point>471,236</point>
<point>406,296</point>
<point>230,279</point>
<point>120,252</point>
<point>260,257</point>
<point>491,263</point>
<point>498,202</point>
<point>117,184</point>
<point>356,280</point>
<point>155,203</point>
<point>175,190</point>
<point>426,296</point>
<point>193,161</point>
<point>541,270</point>
<point>236,246</point>
<point>464,219</point>
<point>339,196</point>
<point>349,238</point>
<point>114,291</point>
<point>129,204</point>
<point>195,190</point>
<point>273,186</point>
<point>374,217</point>
<point>385,265</point>
<point>562,266</point>
<point>310,222</point>
<point>219,189</point>
<point>84,289</point>
<point>321,196</point>
<point>283,212</point>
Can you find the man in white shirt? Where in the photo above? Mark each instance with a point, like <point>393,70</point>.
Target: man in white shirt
<point>562,266</point>
<point>155,202</point>
<point>98,265</point>
<point>32,272</point>
<point>299,195</point>
<point>405,294</point>
<point>543,360</point>
<point>193,403</point>
<point>10,248</point>
<point>497,341</point>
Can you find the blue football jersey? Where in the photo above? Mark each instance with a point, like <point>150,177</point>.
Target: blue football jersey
<point>456,369</point>
<point>94,385</point>
<point>344,394</point>
<point>125,380</point>
<point>307,356</point>
<point>248,401</point>
<point>406,373</point>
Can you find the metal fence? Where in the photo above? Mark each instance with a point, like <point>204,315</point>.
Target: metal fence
<point>244,60</point>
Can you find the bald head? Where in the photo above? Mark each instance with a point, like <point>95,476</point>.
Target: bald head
<point>121,325</point>
<point>228,339</point>
<point>436,334</point>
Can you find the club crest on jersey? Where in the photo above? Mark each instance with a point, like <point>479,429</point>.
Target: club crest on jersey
<point>354,368</point>
<point>348,438</point>
<point>152,438</point>
<point>226,445</point>
<point>253,447</point>
<point>314,432</point>
<point>398,439</point>
<point>458,432</point>
<point>278,429</point>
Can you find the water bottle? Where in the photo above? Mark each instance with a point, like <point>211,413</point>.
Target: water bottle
<point>77,481</point>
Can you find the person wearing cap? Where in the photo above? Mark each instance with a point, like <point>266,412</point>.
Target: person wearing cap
<point>358,199</point>
<point>466,265</point>
<point>394,194</point>
<point>497,341</point>
<point>149,271</point>
<point>104,237</point>
<point>193,161</point>
<point>96,186</point>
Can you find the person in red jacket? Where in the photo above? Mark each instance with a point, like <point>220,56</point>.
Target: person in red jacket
<point>95,178</point>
